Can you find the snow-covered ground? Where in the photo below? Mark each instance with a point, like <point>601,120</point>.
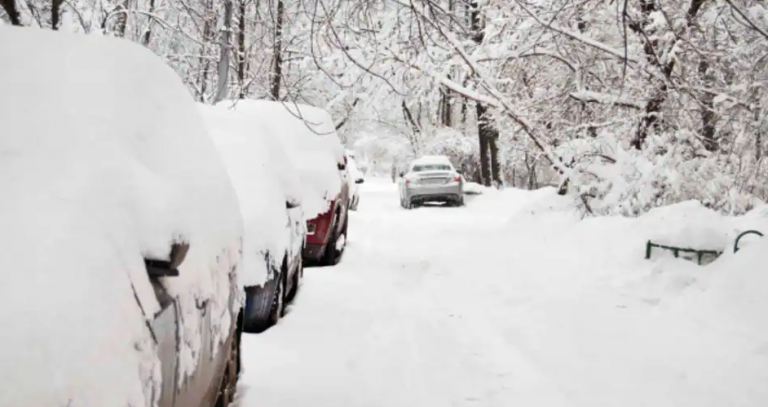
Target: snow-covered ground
<point>512,300</point>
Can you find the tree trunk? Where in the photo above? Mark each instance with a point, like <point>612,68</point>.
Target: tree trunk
<point>55,14</point>
<point>13,13</point>
<point>148,34</point>
<point>222,86</point>
<point>493,148</point>
<point>484,132</point>
<point>241,58</point>
<point>758,134</point>
<point>207,34</point>
<point>708,117</point>
<point>446,106</point>
<point>651,118</point>
<point>277,66</point>
<point>122,18</point>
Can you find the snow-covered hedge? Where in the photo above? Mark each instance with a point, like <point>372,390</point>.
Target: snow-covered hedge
<point>614,179</point>
<point>103,160</point>
<point>308,135</point>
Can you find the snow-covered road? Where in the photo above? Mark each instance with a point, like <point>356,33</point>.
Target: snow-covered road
<point>440,307</point>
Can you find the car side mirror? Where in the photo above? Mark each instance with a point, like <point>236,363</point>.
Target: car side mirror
<point>359,181</point>
<point>402,174</point>
<point>168,268</point>
<point>292,203</point>
<point>341,166</point>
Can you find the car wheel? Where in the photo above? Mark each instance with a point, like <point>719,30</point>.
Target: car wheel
<point>331,255</point>
<point>278,307</point>
<point>269,304</point>
<point>239,333</point>
<point>297,277</point>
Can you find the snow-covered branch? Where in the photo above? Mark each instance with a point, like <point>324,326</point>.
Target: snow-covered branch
<point>606,99</point>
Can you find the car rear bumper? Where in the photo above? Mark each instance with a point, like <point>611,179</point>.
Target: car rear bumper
<point>313,251</point>
<point>420,193</point>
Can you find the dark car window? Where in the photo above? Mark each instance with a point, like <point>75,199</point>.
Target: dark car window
<point>431,167</point>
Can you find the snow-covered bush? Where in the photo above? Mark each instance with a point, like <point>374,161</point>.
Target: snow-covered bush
<point>612,178</point>
<point>105,161</point>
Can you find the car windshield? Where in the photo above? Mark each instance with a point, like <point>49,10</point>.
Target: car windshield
<point>431,167</point>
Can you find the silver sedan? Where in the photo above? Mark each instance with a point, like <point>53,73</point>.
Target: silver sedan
<point>431,182</point>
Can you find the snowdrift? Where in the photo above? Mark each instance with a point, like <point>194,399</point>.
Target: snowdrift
<point>103,159</point>
<point>263,176</point>
<point>613,328</point>
<point>308,135</point>
<point>729,291</point>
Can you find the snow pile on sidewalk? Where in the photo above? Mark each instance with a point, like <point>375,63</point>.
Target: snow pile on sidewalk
<point>309,136</point>
<point>264,178</point>
<point>611,326</point>
<point>103,160</point>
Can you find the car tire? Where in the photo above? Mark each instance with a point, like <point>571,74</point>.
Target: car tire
<point>331,255</point>
<point>270,307</point>
<point>297,277</point>
<point>239,333</point>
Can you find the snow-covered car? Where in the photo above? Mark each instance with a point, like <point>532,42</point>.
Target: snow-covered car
<point>309,138</point>
<point>431,178</point>
<point>120,230</point>
<point>327,232</point>
<point>267,186</point>
<point>355,178</point>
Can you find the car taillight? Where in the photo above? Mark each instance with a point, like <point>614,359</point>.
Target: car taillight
<point>407,181</point>
<point>457,178</point>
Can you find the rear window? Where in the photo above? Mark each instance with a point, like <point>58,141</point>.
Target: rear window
<point>431,167</point>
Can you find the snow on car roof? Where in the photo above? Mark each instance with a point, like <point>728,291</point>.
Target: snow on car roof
<point>309,135</point>
<point>431,160</point>
<point>104,160</point>
<point>264,178</point>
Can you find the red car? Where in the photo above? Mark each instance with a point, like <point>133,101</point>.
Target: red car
<point>327,233</point>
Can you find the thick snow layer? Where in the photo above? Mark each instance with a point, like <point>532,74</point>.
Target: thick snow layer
<point>103,160</point>
<point>264,178</point>
<point>690,225</point>
<point>309,135</point>
<point>515,299</point>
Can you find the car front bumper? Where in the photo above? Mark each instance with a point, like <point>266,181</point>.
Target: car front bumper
<point>422,193</point>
